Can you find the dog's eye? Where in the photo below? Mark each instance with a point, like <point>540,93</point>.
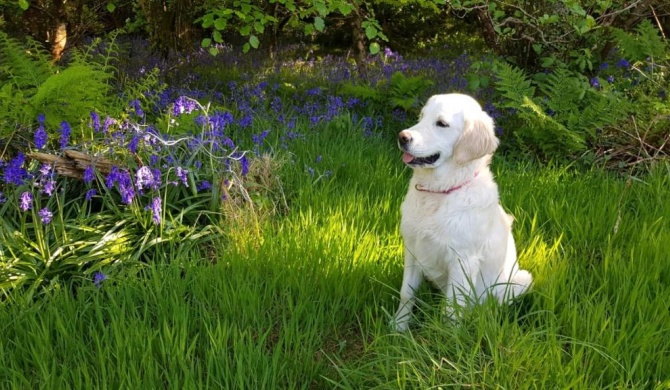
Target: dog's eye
<point>441,123</point>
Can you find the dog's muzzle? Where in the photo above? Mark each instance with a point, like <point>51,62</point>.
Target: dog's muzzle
<point>404,141</point>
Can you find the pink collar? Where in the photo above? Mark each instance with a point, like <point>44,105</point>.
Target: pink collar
<point>450,190</point>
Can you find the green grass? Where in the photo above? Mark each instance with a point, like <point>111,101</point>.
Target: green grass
<point>305,303</point>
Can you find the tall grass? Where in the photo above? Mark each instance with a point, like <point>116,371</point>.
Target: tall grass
<point>304,301</point>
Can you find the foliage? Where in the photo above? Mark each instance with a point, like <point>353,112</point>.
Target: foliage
<point>399,92</point>
<point>29,85</point>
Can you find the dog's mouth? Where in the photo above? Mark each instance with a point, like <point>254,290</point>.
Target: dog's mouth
<point>416,161</point>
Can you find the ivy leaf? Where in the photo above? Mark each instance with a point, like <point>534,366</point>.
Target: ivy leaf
<point>258,27</point>
<point>24,4</point>
<point>217,36</point>
<point>254,42</point>
<point>246,47</point>
<point>246,30</point>
<point>213,51</point>
<point>319,24</point>
<point>206,42</point>
<point>110,7</point>
<point>375,48</point>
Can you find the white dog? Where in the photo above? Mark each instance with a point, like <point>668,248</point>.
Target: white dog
<point>456,233</point>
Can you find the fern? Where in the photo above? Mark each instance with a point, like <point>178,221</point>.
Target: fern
<point>31,85</point>
<point>646,42</point>
<point>559,112</point>
<point>404,92</point>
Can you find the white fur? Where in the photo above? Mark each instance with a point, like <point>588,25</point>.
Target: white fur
<point>461,241</point>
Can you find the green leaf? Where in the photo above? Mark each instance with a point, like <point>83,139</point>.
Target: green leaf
<point>220,24</point>
<point>319,24</point>
<point>246,47</point>
<point>207,42</point>
<point>110,7</point>
<point>259,27</point>
<point>345,8</point>
<point>213,51</point>
<point>375,48</point>
<point>245,30</point>
<point>24,4</point>
<point>371,32</point>
<point>254,42</point>
<point>218,38</point>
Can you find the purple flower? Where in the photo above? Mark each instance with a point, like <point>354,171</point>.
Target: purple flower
<point>14,171</point>
<point>137,108</point>
<point>134,142</point>
<point>112,177</point>
<point>41,137</point>
<point>108,122</point>
<point>90,194</point>
<point>595,82</point>
<point>610,79</point>
<point>41,118</point>
<point>258,138</point>
<point>155,208</point>
<point>45,215</point>
<point>26,201</point>
<point>95,121</point>
<point>89,175</point>
<point>98,278</point>
<point>204,185</point>
<point>126,187</point>
<point>144,178</point>
<point>244,162</point>
<point>49,187</point>
<point>64,134</point>
<point>183,105</point>
<point>3,199</point>
<point>182,174</point>
<point>623,63</point>
<point>245,121</point>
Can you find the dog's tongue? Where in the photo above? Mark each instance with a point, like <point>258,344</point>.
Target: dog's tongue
<point>407,158</point>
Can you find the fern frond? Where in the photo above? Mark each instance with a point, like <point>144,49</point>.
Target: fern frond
<point>23,65</point>
<point>513,84</point>
<point>71,94</point>
<point>646,42</point>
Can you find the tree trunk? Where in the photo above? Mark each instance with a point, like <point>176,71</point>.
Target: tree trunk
<point>487,29</point>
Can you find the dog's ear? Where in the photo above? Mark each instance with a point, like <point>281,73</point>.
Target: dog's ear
<point>477,139</point>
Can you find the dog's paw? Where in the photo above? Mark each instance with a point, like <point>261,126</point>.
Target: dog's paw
<point>399,325</point>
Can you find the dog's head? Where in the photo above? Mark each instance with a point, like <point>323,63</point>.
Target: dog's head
<point>451,127</point>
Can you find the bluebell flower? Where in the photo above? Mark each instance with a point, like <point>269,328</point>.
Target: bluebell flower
<point>204,185</point>
<point>604,66</point>
<point>623,63</point>
<point>132,145</point>
<point>318,159</point>
<point>155,208</point>
<point>41,118</point>
<point>98,278</point>
<point>41,137</point>
<point>90,194</point>
<point>182,174</point>
<point>3,199</point>
<point>610,79</point>
<point>197,164</point>
<point>595,82</point>
<point>137,108</point>
<point>45,215</point>
<point>107,124</point>
<point>244,163</point>
<point>26,201</point>
<point>95,121</point>
<point>258,138</point>
<point>126,187</point>
<point>183,105</point>
<point>310,170</point>
<point>112,177</point>
<point>153,160</point>
<point>45,169</point>
<point>89,175</point>
<point>14,172</point>
<point>64,134</point>
<point>49,187</point>
<point>245,121</point>
<point>144,178</point>
<point>316,91</point>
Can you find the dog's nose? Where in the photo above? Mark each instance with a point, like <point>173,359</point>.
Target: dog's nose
<point>404,137</point>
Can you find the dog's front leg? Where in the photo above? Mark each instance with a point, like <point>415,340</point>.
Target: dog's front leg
<point>461,285</point>
<point>411,281</point>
